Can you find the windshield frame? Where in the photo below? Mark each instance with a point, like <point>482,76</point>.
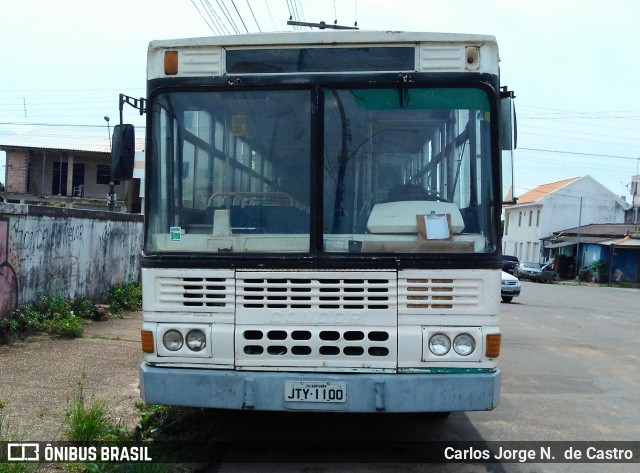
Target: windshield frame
<point>316,257</point>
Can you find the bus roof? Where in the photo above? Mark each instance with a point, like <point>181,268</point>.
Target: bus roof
<point>322,37</point>
<point>434,52</point>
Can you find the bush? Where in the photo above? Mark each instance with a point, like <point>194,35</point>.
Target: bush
<point>65,318</point>
<point>123,297</point>
<point>53,315</point>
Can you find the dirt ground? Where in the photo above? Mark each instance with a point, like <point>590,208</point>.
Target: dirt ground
<point>39,376</point>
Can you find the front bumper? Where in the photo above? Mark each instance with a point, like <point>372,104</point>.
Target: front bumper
<point>261,390</point>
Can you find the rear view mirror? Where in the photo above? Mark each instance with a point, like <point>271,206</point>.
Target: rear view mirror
<point>508,142</point>
<point>508,126</point>
<point>122,153</point>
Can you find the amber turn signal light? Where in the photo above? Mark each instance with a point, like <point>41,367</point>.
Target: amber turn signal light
<point>171,63</point>
<point>147,341</point>
<point>492,345</point>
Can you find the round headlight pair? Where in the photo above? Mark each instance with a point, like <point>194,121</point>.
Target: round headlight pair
<point>195,339</point>
<point>463,344</point>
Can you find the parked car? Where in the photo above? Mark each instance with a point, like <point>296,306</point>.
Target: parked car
<point>536,272</point>
<point>510,287</point>
<point>509,263</point>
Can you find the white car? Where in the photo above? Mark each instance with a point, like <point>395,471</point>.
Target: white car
<point>510,287</point>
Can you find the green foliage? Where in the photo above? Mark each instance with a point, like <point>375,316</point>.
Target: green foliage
<point>65,318</point>
<point>153,420</point>
<point>123,297</point>
<point>52,315</point>
<point>598,266</point>
<point>88,421</point>
<point>83,308</point>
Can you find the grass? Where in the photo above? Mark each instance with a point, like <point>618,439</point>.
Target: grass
<point>89,420</point>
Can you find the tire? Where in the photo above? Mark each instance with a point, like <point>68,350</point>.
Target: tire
<point>507,298</point>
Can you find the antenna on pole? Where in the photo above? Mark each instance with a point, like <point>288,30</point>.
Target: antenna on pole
<point>322,25</point>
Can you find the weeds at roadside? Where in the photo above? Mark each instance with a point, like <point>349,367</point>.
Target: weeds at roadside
<point>89,420</point>
<point>63,318</point>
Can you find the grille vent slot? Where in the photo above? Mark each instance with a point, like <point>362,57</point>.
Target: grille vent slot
<point>438,294</point>
<point>329,343</point>
<point>196,292</point>
<point>316,293</point>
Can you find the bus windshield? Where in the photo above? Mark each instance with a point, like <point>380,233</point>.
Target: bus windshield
<point>404,170</point>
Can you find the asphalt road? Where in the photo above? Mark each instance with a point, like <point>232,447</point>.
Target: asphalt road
<point>571,372</point>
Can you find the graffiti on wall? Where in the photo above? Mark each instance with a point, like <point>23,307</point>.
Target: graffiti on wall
<point>8,279</point>
<point>74,254</point>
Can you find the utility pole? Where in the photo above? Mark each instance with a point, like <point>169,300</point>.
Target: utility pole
<point>578,246</point>
<point>111,198</point>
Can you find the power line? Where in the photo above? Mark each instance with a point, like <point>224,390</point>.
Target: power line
<point>270,15</point>
<point>70,125</point>
<point>227,15</point>
<point>201,15</point>
<point>215,18</point>
<point>254,16</point>
<point>239,15</point>
<point>579,154</point>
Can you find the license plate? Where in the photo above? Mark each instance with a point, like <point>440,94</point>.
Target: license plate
<point>315,391</point>
<point>508,289</point>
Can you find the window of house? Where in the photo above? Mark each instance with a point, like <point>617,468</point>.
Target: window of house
<point>530,217</point>
<point>538,218</point>
<point>519,219</point>
<point>104,174</point>
<point>506,223</point>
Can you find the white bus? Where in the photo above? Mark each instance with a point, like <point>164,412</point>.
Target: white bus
<point>322,221</point>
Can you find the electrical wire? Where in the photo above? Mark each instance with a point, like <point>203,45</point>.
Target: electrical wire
<point>270,15</point>
<point>227,15</point>
<point>239,15</point>
<point>202,16</point>
<point>578,154</point>
<point>254,16</point>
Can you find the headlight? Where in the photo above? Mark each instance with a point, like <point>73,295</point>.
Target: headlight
<point>196,340</point>
<point>172,340</point>
<point>464,344</point>
<point>439,344</point>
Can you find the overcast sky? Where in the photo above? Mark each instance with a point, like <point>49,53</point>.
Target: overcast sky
<point>573,65</point>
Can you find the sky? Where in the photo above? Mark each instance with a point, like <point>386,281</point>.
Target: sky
<point>573,65</point>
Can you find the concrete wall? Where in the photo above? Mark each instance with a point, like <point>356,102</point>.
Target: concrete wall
<point>74,253</point>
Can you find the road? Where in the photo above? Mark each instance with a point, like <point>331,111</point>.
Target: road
<point>570,362</point>
<point>571,372</point>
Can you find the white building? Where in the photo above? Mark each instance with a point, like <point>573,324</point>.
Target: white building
<point>553,207</point>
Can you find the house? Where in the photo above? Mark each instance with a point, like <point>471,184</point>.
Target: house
<point>555,206</point>
<point>65,168</point>
<point>614,249</point>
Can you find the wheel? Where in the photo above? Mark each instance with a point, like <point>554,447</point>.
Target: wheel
<point>507,298</point>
